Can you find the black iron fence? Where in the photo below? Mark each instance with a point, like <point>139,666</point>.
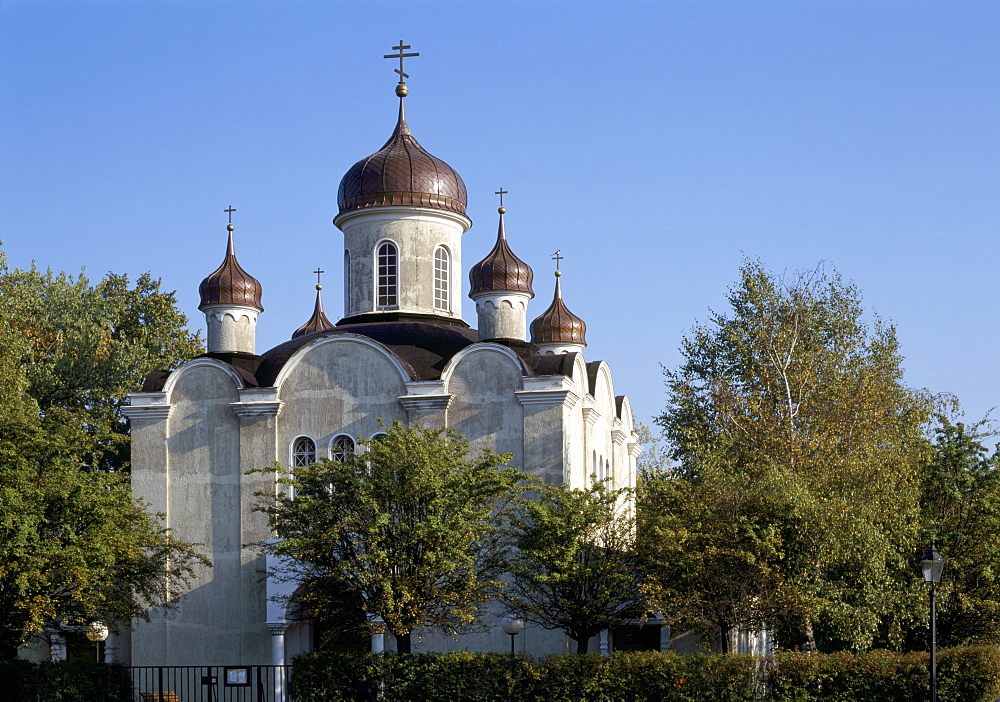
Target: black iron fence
<point>211,683</point>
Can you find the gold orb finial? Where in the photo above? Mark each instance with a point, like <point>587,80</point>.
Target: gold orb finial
<point>558,274</point>
<point>501,210</point>
<point>230,227</point>
<point>318,286</point>
<point>401,90</point>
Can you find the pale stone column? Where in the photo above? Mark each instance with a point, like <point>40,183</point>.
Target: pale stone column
<point>605,645</point>
<point>378,635</point>
<point>111,648</point>
<point>664,638</point>
<point>257,410</point>
<point>278,658</point>
<point>57,646</point>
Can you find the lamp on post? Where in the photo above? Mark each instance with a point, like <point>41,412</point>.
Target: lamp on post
<point>513,627</point>
<point>932,564</point>
<point>96,633</point>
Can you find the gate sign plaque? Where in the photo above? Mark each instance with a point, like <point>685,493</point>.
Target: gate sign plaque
<point>237,677</point>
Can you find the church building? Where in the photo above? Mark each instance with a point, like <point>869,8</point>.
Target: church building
<point>401,352</point>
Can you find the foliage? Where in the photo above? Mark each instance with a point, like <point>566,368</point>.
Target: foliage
<point>960,509</point>
<point>74,545</point>
<point>64,682</point>
<point>964,675</point>
<point>410,525</point>
<point>478,677</point>
<point>797,452</point>
<point>82,348</point>
<point>575,566</point>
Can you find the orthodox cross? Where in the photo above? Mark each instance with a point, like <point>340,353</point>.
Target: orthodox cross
<point>501,192</point>
<point>557,258</point>
<point>401,56</point>
<point>230,211</point>
<point>319,271</point>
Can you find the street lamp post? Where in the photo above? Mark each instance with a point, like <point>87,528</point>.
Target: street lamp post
<point>932,564</point>
<point>512,626</point>
<point>97,632</point>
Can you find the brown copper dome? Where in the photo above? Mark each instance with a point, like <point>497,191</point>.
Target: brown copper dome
<point>557,325</point>
<point>402,172</point>
<point>501,269</point>
<point>318,322</point>
<point>229,284</point>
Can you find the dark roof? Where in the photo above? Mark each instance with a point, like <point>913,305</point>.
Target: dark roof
<point>318,322</point>
<point>402,172</point>
<point>557,324</point>
<point>501,269</point>
<point>229,284</point>
<point>422,344</point>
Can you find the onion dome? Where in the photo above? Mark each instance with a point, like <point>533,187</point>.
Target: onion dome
<point>501,269</point>
<point>402,172</point>
<point>318,322</point>
<point>557,325</point>
<point>229,284</point>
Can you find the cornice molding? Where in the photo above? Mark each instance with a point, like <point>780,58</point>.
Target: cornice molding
<point>147,412</point>
<point>418,403</point>
<point>257,409</point>
<point>567,398</point>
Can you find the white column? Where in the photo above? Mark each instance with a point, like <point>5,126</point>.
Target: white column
<point>278,659</point>
<point>378,635</point>
<point>605,644</point>
<point>57,646</point>
<point>111,648</point>
<point>664,638</point>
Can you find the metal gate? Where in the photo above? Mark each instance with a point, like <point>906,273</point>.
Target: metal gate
<point>211,683</point>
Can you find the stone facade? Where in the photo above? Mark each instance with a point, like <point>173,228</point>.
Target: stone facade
<point>198,431</point>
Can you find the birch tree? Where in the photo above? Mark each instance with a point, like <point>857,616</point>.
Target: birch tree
<point>799,447</point>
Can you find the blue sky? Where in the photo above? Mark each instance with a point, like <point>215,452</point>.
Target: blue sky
<point>655,143</point>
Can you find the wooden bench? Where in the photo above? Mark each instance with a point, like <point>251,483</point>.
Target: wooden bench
<point>159,696</point>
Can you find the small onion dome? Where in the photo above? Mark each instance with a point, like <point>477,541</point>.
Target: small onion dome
<point>229,284</point>
<point>501,269</point>
<point>557,325</point>
<point>318,322</point>
<point>402,172</point>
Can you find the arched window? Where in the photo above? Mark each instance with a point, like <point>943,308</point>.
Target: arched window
<point>442,277</point>
<point>341,448</point>
<point>388,276</point>
<point>303,452</point>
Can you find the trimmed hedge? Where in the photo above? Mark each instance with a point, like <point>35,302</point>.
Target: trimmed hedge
<point>964,675</point>
<point>476,677</point>
<point>64,682</point>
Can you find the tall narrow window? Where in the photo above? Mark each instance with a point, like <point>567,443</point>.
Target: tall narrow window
<point>442,276</point>
<point>387,275</point>
<point>303,452</point>
<point>342,448</point>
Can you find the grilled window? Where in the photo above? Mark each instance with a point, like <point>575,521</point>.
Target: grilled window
<point>342,448</point>
<point>303,452</point>
<point>442,276</point>
<point>388,276</point>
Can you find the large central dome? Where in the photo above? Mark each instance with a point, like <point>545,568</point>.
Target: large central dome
<point>402,172</point>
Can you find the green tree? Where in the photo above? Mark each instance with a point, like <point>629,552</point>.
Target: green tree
<point>74,545</point>
<point>960,509</point>
<point>411,526</point>
<point>798,448</point>
<point>85,347</point>
<point>575,566</point>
